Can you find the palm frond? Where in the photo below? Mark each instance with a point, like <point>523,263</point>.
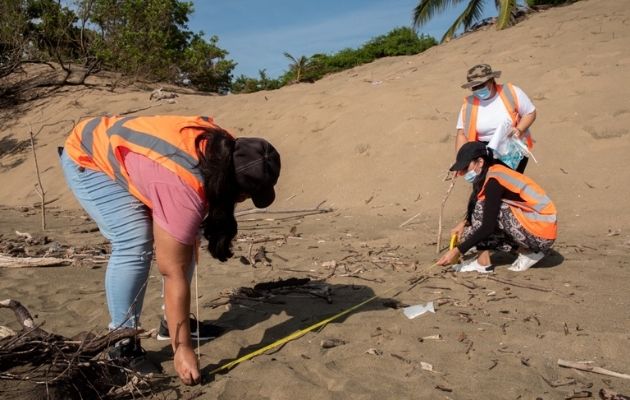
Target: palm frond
<point>290,57</point>
<point>448,35</point>
<point>505,13</point>
<point>426,9</point>
<point>473,13</point>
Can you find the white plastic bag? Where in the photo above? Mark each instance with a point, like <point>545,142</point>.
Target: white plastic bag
<point>508,149</point>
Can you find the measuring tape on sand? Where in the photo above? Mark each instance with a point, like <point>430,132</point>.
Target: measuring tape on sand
<point>302,332</point>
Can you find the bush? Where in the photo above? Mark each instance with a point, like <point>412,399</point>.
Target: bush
<point>399,41</point>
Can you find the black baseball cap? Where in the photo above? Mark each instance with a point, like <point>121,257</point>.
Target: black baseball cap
<point>468,152</point>
<point>257,167</point>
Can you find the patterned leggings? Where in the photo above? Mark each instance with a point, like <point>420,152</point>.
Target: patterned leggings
<point>508,235</point>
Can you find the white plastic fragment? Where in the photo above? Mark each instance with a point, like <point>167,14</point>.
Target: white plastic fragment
<point>412,312</point>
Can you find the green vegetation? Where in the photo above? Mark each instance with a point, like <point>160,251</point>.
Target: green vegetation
<point>426,9</point>
<point>399,41</point>
<point>146,40</point>
<point>149,40</point>
<point>244,84</point>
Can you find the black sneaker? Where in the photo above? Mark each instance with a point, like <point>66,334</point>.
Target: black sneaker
<point>130,354</point>
<point>207,331</point>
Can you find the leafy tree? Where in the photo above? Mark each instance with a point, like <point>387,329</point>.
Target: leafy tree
<point>298,66</point>
<point>13,39</point>
<point>141,38</point>
<point>150,39</point>
<point>398,42</point>
<point>244,84</point>
<point>36,31</point>
<point>426,9</point>
<point>206,66</point>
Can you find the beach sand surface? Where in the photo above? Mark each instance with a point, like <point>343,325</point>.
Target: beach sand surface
<point>374,144</point>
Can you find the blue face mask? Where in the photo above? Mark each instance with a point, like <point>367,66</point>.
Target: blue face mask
<point>483,93</point>
<point>470,176</point>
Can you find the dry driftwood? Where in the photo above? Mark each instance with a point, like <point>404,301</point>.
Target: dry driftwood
<point>266,292</point>
<point>521,285</point>
<point>308,211</point>
<point>590,368</point>
<point>410,219</point>
<point>39,187</point>
<point>27,262</point>
<point>605,394</point>
<point>448,193</point>
<point>73,367</point>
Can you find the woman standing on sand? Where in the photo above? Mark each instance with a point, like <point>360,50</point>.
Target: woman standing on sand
<point>489,106</point>
<point>506,208</point>
<point>155,180</point>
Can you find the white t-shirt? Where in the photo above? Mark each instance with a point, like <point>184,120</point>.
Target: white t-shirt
<point>492,113</point>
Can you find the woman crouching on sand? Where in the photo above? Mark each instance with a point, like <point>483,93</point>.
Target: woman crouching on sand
<point>155,180</point>
<point>506,208</point>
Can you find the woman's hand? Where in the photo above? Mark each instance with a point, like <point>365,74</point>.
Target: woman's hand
<point>186,365</point>
<point>449,257</point>
<point>459,229</point>
<point>515,132</point>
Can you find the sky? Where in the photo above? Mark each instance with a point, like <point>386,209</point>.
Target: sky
<point>256,33</point>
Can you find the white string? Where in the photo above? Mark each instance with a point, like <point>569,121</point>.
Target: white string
<point>197,305</point>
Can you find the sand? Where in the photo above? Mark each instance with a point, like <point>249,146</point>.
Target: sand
<point>374,143</point>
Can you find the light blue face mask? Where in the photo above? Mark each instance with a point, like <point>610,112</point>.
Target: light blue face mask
<point>483,93</point>
<point>470,176</point>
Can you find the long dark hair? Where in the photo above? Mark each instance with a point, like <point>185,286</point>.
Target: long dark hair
<point>219,180</point>
<point>488,161</point>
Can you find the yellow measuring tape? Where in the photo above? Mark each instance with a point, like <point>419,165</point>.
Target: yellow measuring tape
<point>300,333</point>
<point>452,245</point>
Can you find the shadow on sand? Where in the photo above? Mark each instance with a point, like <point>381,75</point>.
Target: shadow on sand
<point>302,311</point>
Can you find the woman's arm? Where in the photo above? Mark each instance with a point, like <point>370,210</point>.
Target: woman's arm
<point>491,207</point>
<point>174,259</point>
<point>524,124</point>
<point>460,140</point>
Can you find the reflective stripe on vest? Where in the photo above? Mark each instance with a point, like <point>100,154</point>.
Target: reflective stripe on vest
<point>470,109</point>
<point>536,212</point>
<point>168,140</point>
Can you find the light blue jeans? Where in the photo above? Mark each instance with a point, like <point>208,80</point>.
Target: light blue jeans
<point>127,224</point>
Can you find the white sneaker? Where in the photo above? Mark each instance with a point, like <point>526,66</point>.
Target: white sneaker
<point>472,266</point>
<point>525,261</point>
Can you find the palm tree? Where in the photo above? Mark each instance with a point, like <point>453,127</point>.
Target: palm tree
<point>425,10</point>
<point>298,66</point>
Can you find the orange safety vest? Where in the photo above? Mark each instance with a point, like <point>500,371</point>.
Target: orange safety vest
<point>536,212</point>
<point>169,140</point>
<point>510,100</point>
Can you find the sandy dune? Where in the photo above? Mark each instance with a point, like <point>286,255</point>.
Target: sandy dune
<point>374,142</point>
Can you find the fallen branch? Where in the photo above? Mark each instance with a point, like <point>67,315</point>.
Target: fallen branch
<point>262,240</point>
<point>448,193</point>
<point>589,368</point>
<point>29,262</point>
<point>316,210</point>
<point>39,187</point>
<point>605,394</point>
<point>521,285</point>
<point>61,367</point>
<point>409,220</point>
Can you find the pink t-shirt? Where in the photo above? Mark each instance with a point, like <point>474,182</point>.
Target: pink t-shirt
<point>177,208</point>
